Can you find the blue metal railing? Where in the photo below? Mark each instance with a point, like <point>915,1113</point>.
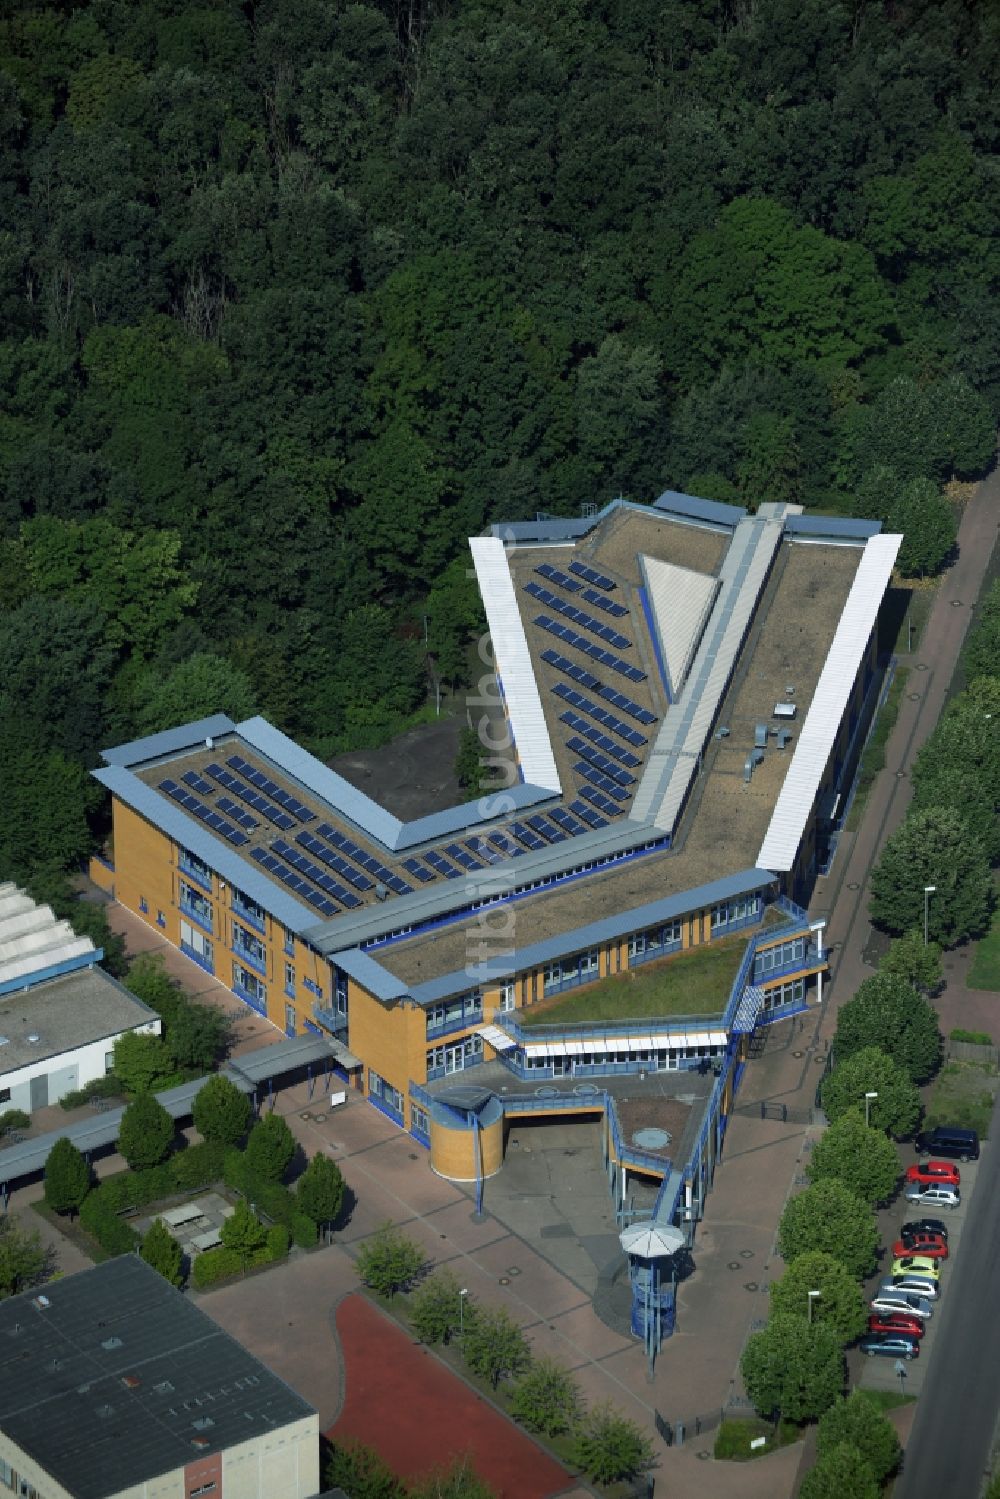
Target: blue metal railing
<point>460,1023</point>
<point>194,914</point>
<point>202,876</point>
<point>785,903</point>
<point>808,959</point>
<point>251,917</point>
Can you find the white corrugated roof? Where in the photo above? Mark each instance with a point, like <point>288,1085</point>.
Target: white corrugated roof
<point>679,600</point>
<point>833,690</point>
<point>32,940</point>
<point>513,664</point>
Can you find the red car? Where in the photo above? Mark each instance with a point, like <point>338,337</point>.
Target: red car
<point>934,1174</point>
<point>896,1322</point>
<point>932,1245</point>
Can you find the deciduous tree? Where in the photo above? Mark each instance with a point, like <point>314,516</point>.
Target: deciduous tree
<point>861,1424</point>
<point>67,1177</point>
<point>244,1233</point>
<point>864,1159</point>
<point>870,1070</point>
<point>220,1111</point>
<point>610,1447</point>
<point>933,847</point>
<point>887,1012</point>
<point>146,1133</point>
<point>547,1399</point>
<point>793,1368</point>
<point>916,962</point>
<point>270,1147</point>
<point>389,1262</point>
<point>493,1345</point>
<point>840,1470</point>
<point>320,1190</point>
<point>839,1305</point>
<point>827,1216</point>
<point>160,1249</point>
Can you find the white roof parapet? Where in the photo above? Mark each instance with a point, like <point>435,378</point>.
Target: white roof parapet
<point>513,664</point>
<point>829,704</point>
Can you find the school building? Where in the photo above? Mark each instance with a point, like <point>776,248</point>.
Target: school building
<point>686,689</point>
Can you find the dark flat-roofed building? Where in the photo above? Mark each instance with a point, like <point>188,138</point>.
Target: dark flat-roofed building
<point>115,1386</point>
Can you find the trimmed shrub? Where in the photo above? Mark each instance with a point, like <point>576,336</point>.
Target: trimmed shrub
<point>304,1231</point>
<point>271,1198</point>
<point>114,1235</point>
<point>15,1119</point>
<point>215,1265</point>
<point>101,1087</point>
<point>277,1241</point>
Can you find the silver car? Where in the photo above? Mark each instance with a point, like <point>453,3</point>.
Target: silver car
<point>911,1285</point>
<point>906,1302</point>
<point>933,1195</point>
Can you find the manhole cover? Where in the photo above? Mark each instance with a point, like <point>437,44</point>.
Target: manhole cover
<point>746,1254</point>
<point>305,1116</point>
<point>798,1053</point>
<point>652,1139</point>
<point>914,697</point>
<point>513,1269</point>
<point>956,603</point>
<point>750,1285</point>
<point>853,885</point>
<point>900,775</point>
<point>921,666</point>
<point>734,1265</point>
<point>703,1454</point>
<point>504,1281</point>
<point>414,1156</point>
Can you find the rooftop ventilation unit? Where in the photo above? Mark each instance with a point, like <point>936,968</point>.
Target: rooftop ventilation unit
<point>785,710</point>
<point>33,1038</point>
<point>381,891</point>
<point>722,732</point>
<point>760,736</point>
<point>209,742</point>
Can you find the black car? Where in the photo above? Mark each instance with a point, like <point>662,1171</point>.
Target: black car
<point>923,1226</point>
<point>949,1140</point>
<point>890,1345</point>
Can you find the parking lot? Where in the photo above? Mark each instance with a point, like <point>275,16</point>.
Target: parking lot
<point>880,1373</point>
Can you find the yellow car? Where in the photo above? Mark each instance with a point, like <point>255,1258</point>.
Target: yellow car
<point>917,1264</point>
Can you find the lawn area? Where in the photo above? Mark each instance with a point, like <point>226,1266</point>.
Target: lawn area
<point>690,983</point>
<point>984,972</point>
<point>963,1093</point>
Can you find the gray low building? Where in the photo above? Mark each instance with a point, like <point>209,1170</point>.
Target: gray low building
<point>113,1385</point>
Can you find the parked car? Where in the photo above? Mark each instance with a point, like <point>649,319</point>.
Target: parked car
<point>950,1140</point>
<point>918,1285</point>
<point>917,1264</point>
<point>896,1322</point>
<point>909,1303</point>
<point>931,1245</point>
<point>941,1196</point>
<point>934,1172</point>
<point>918,1226</point>
<point>890,1345</point>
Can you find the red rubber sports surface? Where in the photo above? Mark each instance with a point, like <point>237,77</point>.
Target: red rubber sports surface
<point>403,1402</point>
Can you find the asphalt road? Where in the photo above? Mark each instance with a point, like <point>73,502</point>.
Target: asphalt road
<point>949,1447</point>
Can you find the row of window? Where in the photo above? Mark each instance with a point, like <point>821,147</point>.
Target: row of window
<point>455,1056</point>
<point>654,941</point>
<point>736,911</point>
<point>658,1058</point>
<point>780,956</point>
<point>379,1088</point>
<point>464,1009</point>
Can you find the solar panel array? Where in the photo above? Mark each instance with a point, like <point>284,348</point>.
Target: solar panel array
<point>579,616</point>
<point>525,835</point>
<point>601,601</point>
<point>313,872</point>
<point>563,820</point>
<point>623,756</point>
<point>462,857</point>
<point>237,813</point>
<point>366,860</point>
<point>603,762</point>
<point>590,817</point>
<point>599,580</point>
<point>271,788</point>
<point>623,730</point>
<point>294,881</point>
<point>598,798</point>
<point>419,871</point>
<point>561,580</point>
<point>598,778</point>
<point>441,865</point>
<point>197,783</point>
<point>208,815</point>
<point>504,844</point>
<point>545,829</point>
<point>633,709</point>
<point>334,861</point>
<point>596,652</point>
<point>578,673</point>
<point>250,796</point>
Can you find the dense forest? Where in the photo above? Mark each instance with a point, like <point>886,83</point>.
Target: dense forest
<point>295,295</point>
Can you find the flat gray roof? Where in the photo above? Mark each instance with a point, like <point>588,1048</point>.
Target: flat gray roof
<point>110,1378</point>
<point>64,1014</point>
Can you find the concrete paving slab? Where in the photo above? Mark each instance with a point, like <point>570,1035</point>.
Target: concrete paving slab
<point>592,1338</point>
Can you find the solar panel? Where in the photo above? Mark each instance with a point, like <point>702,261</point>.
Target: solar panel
<point>277,793</point>
<point>207,815</point>
<point>570,668</point>
<point>547,831</point>
<point>561,580</point>
<point>526,836</point>
<point>580,643</point>
<point>334,861</point>
<point>601,802</point>
<point>579,617</point>
<point>623,730</point>
<point>634,710</point>
<point>294,882</point>
<point>482,850</point>
<point>458,853</point>
<point>598,778</point>
<point>225,804</point>
<point>504,844</point>
<point>568,824</point>
<point>250,796</point>
<point>599,580</point>
<point>197,783</point>
<point>419,871</point>
<point>574,720</point>
<point>434,859</point>
<point>601,761</point>
<point>601,601</point>
<point>590,817</point>
<point>367,861</point>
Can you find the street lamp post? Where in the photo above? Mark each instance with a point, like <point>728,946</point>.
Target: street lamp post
<point>812,1297</point>
<point>868,1108</point>
<point>461,1309</point>
<point>928,892</point>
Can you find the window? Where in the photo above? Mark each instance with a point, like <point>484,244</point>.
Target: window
<point>204,1488</point>
<point>249,983</point>
<point>589,963</point>
<point>290,979</point>
<point>143,905</point>
<point>196,945</point>
<point>464,1010</point>
<point>785,994</point>
<point>289,941</point>
<point>507,999</point>
<point>420,1121</point>
<point>249,947</point>
<point>773,958</point>
<point>456,1056</point>
<point>290,1019</point>
<point>196,905</point>
<point>552,977</point>
<point>4,1095</point>
<point>249,909</point>
<point>109,1065</point>
<point>637,945</point>
<point>379,1088</point>
<point>161,920</point>
<point>195,867</point>
<point>736,910</point>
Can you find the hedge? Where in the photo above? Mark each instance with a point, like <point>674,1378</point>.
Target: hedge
<point>277,1241</point>
<point>198,1165</point>
<point>304,1231</point>
<point>213,1265</point>
<point>270,1198</point>
<point>114,1235</point>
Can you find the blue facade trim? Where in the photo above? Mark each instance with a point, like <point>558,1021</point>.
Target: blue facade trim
<point>385,1108</point>
<point>197,957</point>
